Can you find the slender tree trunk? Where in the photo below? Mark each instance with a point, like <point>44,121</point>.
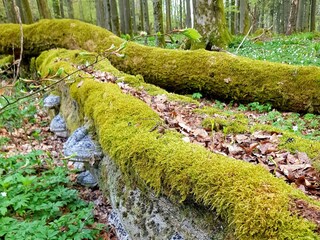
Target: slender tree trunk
<point>146,16</point>
<point>133,16</point>
<point>306,16</point>
<point>122,16</point>
<point>292,17</point>
<point>261,19</point>
<point>180,14</point>
<point>107,16</point>
<point>244,17</point>
<point>114,17</point>
<point>70,9</point>
<point>141,19</point>
<point>8,5</point>
<point>25,11</point>
<point>232,16</point>
<point>98,12</point>
<point>56,8</point>
<point>301,8</point>
<point>127,17</point>
<point>43,9</point>
<point>313,15</point>
<point>158,22</point>
<point>168,16</point>
<point>61,9</point>
<point>188,15</point>
<point>81,14</point>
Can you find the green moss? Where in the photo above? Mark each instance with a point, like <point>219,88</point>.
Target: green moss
<point>252,201</point>
<point>5,60</point>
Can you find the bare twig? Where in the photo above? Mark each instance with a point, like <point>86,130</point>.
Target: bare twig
<point>244,39</point>
<point>16,8</point>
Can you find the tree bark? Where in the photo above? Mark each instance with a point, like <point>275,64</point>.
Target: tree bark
<point>313,15</point>
<point>56,8</point>
<point>168,16</point>
<point>61,8</point>
<point>188,14</point>
<point>158,23</point>
<point>215,74</point>
<point>146,16</point>
<point>25,11</point>
<point>292,17</point>
<point>70,9</point>
<point>43,9</point>
<point>211,24</point>
<point>114,17</point>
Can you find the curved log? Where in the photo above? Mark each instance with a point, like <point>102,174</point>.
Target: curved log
<point>215,74</point>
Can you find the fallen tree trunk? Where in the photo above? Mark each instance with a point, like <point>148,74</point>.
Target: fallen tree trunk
<point>254,204</point>
<point>214,74</point>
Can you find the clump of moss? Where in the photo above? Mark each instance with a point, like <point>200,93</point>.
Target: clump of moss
<point>254,203</point>
<point>5,60</point>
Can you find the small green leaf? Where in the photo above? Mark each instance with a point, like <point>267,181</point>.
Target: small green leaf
<point>123,46</point>
<point>191,34</point>
<point>59,72</point>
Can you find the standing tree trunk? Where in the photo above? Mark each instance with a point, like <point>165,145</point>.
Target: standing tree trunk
<point>81,14</point>
<point>188,15</point>
<point>25,11</point>
<point>127,17</point>
<point>168,16</point>
<point>158,23</point>
<point>70,9</point>
<point>56,8</point>
<point>244,17</point>
<point>141,19</point>
<point>133,16</point>
<point>8,5</point>
<point>146,16</point>
<point>43,9</point>
<point>114,17</point>
<point>313,15</point>
<point>107,13</point>
<point>61,9</point>
<point>292,17</point>
<point>122,16</point>
<point>300,17</point>
<point>232,16</point>
<point>211,24</point>
<point>98,12</point>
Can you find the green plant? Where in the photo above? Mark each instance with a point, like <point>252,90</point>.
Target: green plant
<point>256,106</point>
<point>36,202</point>
<point>197,95</point>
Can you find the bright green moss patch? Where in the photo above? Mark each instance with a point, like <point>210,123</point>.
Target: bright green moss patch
<point>254,203</point>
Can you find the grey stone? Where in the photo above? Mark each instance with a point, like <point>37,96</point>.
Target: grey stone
<point>144,215</point>
<point>87,179</point>
<point>81,147</point>
<point>176,236</point>
<point>114,220</point>
<point>51,101</point>
<point>58,126</point>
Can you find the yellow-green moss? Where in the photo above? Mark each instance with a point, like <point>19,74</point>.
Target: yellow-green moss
<point>5,60</point>
<point>252,201</point>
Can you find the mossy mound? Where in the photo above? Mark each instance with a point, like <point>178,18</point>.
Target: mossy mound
<point>215,74</point>
<point>254,203</point>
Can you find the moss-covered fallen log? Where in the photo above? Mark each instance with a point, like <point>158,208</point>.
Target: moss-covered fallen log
<point>215,74</point>
<point>254,203</point>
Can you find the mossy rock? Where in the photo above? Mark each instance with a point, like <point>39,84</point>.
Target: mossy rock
<point>217,75</point>
<point>255,204</point>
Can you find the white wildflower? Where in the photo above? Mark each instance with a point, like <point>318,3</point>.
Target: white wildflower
<point>295,128</point>
<point>3,194</point>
